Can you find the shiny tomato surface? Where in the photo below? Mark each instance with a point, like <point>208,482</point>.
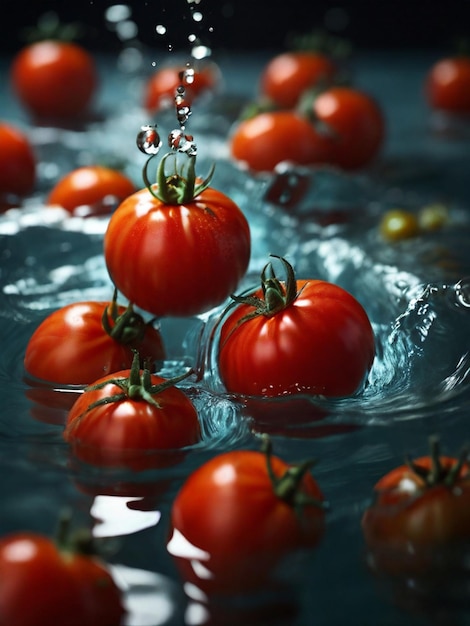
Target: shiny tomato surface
<point>72,347</point>
<point>229,528</point>
<point>354,123</point>
<point>126,431</point>
<point>286,76</point>
<point>320,344</point>
<point>17,162</point>
<point>267,139</point>
<point>177,259</point>
<point>447,85</point>
<point>54,79</point>
<point>93,188</point>
<point>42,585</point>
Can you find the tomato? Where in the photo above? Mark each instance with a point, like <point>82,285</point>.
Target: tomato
<point>161,87</point>
<point>127,418</point>
<point>398,224</point>
<point>421,512</point>
<point>355,125</point>
<point>91,190</point>
<point>44,584</point>
<point>54,79</point>
<point>447,85</point>
<point>269,138</point>
<point>17,162</point>
<point>177,248</point>
<point>302,337</point>
<point>288,75</point>
<point>83,341</point>
<point>239,515</point>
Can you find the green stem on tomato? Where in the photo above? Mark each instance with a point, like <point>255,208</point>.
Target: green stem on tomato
<point>128,328</point>
<point>438,474</point>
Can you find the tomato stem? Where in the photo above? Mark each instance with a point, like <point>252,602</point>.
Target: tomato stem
<point>438,474</point>
<point>179,187</point>
<point>127,328</point>
<point>287,487</point>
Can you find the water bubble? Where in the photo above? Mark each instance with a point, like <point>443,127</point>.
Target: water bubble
<point>462,292</point>
<point>148,140</point>
<point>180,142</point>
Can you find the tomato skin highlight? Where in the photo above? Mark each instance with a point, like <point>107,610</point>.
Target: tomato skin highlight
<point>42,586</point>
<point>288,75</point>
<point>125,432</point>
<point>17,162</point>
<point>356,123</point>
<point>447,85</point>
<point>321,344</point>
<point>267,139</point>
<point>71,347</point>
<point>54,79</point>
<point>88,186</point>
<point>177,260</point>
<point>409,522</point>
<point>228,509</point>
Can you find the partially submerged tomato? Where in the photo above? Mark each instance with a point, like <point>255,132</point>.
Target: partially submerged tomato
<point>288,75</point>
<point>17,163</point>
<point>419,521</point>
<point>54,79</point>
<point>306,337</point>
<point>83,341</point>
<point>238,515</point>
<point>447,85</point>
<point>91,190</point>
<point>179,247</point>
<point>129,418</point>
<point>44,583</point>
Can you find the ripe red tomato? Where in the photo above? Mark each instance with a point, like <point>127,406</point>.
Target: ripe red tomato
<point>267,139</point>
<point>177,254</point>
<point>92,189</point>
<point>83,341</point>
<point>355,123</point>
<point>161,87</point>
<point>238,515</point>
<point>447,85</point>
<point>288,75</point>
<point>421,510</point>
<point>302,337</point>
<point>129,417</point>
<point>54,79</point>
<point>45,584</point>
<point>17,162</point>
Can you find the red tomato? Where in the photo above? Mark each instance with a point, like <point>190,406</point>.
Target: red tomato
<point>355,125</point>
<point>161,87</point>
<point>43,584</point>
<point>238,515</point>
<point>128,418</point>
<point>173,255</point>
<point>420,510</point>
<point>72,346</point>
<point>267,139</point>
<point>305,337</point>
<point>92,189</point>
<point>447,85</point>
<point>54,79</point>
<point>287,76</point>
<point>17,162</point>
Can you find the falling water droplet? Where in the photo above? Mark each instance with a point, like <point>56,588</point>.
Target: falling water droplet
<point>183,109</point>
<point>462,293</point>
<point>180,142</point>
<point>148,140</point>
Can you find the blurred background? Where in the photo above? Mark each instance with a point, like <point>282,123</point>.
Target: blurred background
<point>247,24</point>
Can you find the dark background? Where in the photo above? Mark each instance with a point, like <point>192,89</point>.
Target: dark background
<point>252,24</point>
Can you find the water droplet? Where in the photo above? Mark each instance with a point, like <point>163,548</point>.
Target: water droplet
<point>160,29</point>
<point>148,140</point>
<point>117,13</point>
<point>197,16</point>
<point>462,293</point>
<point>200,52</point>
<point>178,141</point>
<point>183,109</point>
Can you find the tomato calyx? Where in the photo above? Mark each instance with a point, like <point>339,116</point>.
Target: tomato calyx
<point>438,474</point>
<point>287,487</point>
<point>137,386</point>
<point>127,328</point>
<point>80,541</point>
<point>179,187</point>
